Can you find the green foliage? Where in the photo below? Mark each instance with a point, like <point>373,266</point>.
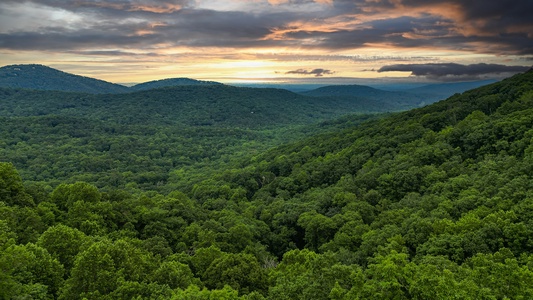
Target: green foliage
<point>434,203</point>
<point>44,78</point>
<point>11,187</point>
<point>240,271</point>
<point>169,82</point>
<point>376,98</point>
<point>175,275</point>
<point>103,267</point>
<point>64,243</point>
<point>29,271</point>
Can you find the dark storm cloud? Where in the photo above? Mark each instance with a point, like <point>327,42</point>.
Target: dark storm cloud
<point>439,71</point>
<point>315,72</point>
<point>495,27</point>
<point>117,5</point>
<point>474,19</point>
<point>113,53</point>
<point>186,27</point>
<point>389,31</point>
<point>497,12</point>
<point>71,40</point>
<point>347,58</point>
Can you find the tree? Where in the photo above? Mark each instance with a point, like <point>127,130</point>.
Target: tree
<point>11,188</point>
<point>64,243</point>
<point>304,274</point>
<point>100,269</point>
<point>175,275</point>
<point>319,229</point>
<point>240,271</point>
<point>29,271</point>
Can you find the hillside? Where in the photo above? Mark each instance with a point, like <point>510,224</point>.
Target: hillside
<point>140,137</point>
<point>398,99</point>
<point>358,98</point>
<point>169,83</point>
<point>432,203</point>
<point>445,90</point>
<point>209,105</point>
<point>39,77</point>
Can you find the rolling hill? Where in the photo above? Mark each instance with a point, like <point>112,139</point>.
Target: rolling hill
<point>366,99</point>
<point>200,105</point>
<point>39,77</point>
<point>169,83</point>
<point>398,99</point>
<point>431,203</point>
<point>445,90</point>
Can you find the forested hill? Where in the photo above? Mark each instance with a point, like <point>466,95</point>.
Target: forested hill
<point>444,90</point>
<point>399,99</point>
<point>433,203</point>
<point>201,105</point>
<point>39,77</point>
<point>170,82</point>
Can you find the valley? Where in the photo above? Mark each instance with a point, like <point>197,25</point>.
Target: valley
<point>210,191</point>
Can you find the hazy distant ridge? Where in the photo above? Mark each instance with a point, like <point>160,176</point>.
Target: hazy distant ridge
<point>401,100</point>
<point>39,77</point>
<point>170,82</point>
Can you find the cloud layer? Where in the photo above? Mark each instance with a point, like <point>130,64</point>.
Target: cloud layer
<point>353,31</point>
<point>438,71</point>
<point>502,27</point>
<point>315,72</point>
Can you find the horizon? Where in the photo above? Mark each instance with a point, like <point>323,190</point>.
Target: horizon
<point>271,41</point>
<point>295,85</point>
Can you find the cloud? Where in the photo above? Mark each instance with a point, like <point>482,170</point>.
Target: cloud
<point>316,72</point>
<point>492,27</point>
<point>114,53</point>
<point>356,58</point>
<point>451,70</point>
<point>501,27</point>
<point>155,6</point>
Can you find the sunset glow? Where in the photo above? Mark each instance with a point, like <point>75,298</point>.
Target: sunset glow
<point>266,40</point>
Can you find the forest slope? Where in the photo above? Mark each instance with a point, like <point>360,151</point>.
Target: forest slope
<point>139,138</point>
<point>209,105</point>
<point>445,90</point>
<point>170,82</point>
<point>398,99</point>
<point>433,203</point>
<point>39,77</point>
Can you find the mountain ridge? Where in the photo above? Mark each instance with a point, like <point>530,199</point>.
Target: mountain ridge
<point>169,82</point>
<point>200,105</point>
<point>431,203</point>
<point>44,78</point>
<point>402,99</point>
<point>41,77</point>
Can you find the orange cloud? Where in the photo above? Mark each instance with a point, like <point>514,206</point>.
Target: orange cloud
<point>328,2</point>
<point>167,8</point>
<point>277,2</point>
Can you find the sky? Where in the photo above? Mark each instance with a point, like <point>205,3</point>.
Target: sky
<point>284,41</point>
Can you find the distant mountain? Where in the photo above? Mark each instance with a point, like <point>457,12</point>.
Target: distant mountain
<point>345,90</point>
<point>445,90</point>
<point>170,82</point>
<point>200,105</point>
<point>39,77</point>
<point>399,100</point>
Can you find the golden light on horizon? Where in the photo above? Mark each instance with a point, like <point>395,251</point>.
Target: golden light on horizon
<point>234,40</point>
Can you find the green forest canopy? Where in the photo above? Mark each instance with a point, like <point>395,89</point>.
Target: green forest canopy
<point>433,203</point>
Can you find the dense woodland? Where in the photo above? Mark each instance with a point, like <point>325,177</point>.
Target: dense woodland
<point>432,203</point>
